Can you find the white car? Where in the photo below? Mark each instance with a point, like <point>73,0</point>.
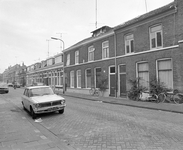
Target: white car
<point>41,99</point>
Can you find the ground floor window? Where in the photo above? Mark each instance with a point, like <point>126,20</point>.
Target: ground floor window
<point>143,74</point>
<point>165,73</point>
<point>72,79</point>
<point>88,78</point>
<point>78,78</point>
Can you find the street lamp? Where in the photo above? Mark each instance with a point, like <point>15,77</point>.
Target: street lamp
<point>53,38</point>
<point>63,60</point>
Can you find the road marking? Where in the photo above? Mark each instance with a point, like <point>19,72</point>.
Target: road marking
<point>37,131</point>
<point>43,137</point>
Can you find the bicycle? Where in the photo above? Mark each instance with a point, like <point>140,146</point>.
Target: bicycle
<point>170,97</point>
<point>94,91</point>
<point>148,96</point>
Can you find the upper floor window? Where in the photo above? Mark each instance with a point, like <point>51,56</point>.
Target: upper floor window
<point>91,53</point>
<point>105,49</point>
<point>129,45</point>
<point>58,59</point>
<point>76,57</point>
<point>68,60</point>
<point>156,40</point>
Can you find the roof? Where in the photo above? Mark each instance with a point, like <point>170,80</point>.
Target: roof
<point>88,39</point>
<point>147,15</point>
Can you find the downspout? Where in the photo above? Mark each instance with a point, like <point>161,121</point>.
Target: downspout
<point>175,25</point>
<point>115,59</point>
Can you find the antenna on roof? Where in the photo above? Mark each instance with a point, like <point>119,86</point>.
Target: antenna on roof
<point>96,14</point>
<point>146,5</point>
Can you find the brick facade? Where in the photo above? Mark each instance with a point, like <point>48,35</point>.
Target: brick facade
<point>169,17</point>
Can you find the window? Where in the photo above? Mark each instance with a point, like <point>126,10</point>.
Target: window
<point>68,60</point>
<point>91,53</point>
<point>105,49</point>
<point>76,57</point>
<point>156,37</point>
<point>72,79</point>
<point>78,78</point>
<point>129,46</point>
<point>88,78</point>
<point>165,72</point>
<point>58,59</point>
<point>98,72</point>
<point>143,74</point>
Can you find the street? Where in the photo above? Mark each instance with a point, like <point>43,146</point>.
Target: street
<point>93,125</point>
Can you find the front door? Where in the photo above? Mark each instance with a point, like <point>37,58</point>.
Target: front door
<point>112,81</point>
<point>122,78</point>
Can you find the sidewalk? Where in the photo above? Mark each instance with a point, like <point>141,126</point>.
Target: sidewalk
<point>18,133</point>
<point>176,108</point>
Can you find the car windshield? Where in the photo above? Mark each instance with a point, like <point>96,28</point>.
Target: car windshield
<point>41,91</point>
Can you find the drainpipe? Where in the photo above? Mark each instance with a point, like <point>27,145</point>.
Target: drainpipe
<point>115,59</point>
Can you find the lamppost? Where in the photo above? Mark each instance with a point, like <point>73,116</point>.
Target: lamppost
<point>63,60</point>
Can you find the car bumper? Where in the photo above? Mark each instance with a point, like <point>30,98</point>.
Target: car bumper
<point>49,109</point>
<point>4,90</point>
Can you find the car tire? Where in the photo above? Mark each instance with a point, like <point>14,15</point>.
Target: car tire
<point>61,111</point>
<point>32,113</point>
<point>23,106</point>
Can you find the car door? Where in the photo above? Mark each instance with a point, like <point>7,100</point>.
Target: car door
<point>26,99</point>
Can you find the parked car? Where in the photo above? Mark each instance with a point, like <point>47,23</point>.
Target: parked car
<point>42,99</point>
<point>4,88</point>
<point>18,85</point>
<point>10,84</point>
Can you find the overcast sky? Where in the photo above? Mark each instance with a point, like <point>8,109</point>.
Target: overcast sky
<point>26,25</point>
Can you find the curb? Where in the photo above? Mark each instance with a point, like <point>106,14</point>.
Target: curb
<point>124,104</point>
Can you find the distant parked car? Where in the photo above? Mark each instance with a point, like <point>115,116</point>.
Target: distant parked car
<point>18,85</point>
<point>4,88</point>
<point>10,84</point>
<point>41,99</point>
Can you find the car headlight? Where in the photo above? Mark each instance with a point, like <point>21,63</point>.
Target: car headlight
<point>36,105</point>
<point>63,101</point>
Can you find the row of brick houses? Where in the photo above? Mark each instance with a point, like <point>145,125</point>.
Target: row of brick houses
<point>16,73</point>
<point>149,46</point>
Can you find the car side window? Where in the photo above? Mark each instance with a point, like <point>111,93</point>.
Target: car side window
<point>25,92</point>
<point>30,93</point>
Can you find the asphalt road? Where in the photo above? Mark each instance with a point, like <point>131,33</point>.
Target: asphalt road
<point>90,125</point>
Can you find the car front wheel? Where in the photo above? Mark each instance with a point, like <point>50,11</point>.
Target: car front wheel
<point>32,113</point>
<point>61,111</point>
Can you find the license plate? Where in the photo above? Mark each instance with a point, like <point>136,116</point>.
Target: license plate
<point>52,109</point>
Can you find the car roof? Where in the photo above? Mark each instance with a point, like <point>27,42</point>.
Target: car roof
<point>35,87</point>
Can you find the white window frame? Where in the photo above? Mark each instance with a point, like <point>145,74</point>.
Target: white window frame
<point>78,73</point>
<point>68,60</point>
<point>137,71</point>
<point>154,34</point>
<point>72,79</point>
<point>76,57</point>
<point>128,42</point>
<point>91,50</point>
<point>105,49</point>
<point>157,70</point>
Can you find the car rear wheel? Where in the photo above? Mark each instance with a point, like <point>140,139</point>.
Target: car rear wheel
<point>61,111</point>
<point>32,113</point>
